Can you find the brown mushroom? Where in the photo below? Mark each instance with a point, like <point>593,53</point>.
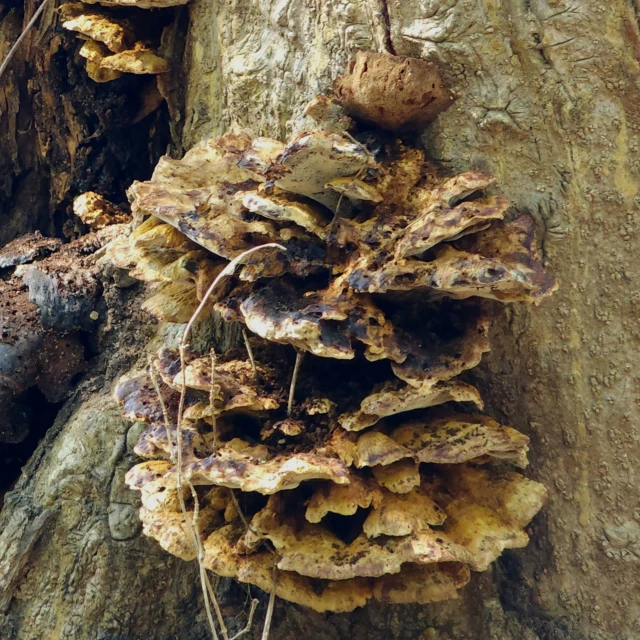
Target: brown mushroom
<point>139,60</point>
<point>393,92</point>
<point>382,253</point>
<point>342,499</point>
<point>402,514</point>
<point>97,212</point>
<point>394,398</point>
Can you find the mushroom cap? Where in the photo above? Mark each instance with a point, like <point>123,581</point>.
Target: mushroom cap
<point>456,438</point>
<point>139,60</point>
<point>342,499</point>
<point>403,514</point>
<point>262,153</point>
<point>394,398</point>
<point>285,208</point>
<point>97,212</point>
<point>235,469</point>
<point>355,189</point>
<point>313,159</point>
<point>116,34</point>
<point>314,551</point>
<point>399,477</point>
<point>392,92</point>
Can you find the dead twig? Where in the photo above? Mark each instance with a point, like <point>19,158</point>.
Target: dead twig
<point>227,271</point>
<point>210,596</point>
<point>207,590</point>
<point>165,414</point>
<point>341,196</point>
<point>251,358</point>
<point>247,628</point>
<point>192,527</point>
<point>294,380</point>
<point>236,504</point>
<point>212,395</point>
<point>23,35</point>
<point>272,599</point>
<point>245,522</point>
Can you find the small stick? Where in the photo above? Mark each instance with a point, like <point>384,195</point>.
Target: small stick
<point>23,35</point>
<point>294,380</point>
<point>207,605</point>
<point>207,589</point>
<point>214,424</point>
<point>204,579</point>
<point>165,413</point>
<point>236,504</point>
<point>338,206</point>
<point>227,271</point>
<point>216,605</point>
<point>254,604</point>
<point>192,528</point>
<point>272,599</point>
<point>245,522</point>
<point>250,352</point>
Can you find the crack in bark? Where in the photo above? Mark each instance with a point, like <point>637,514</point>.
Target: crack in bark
<point>635,6</point>
<point>388,42</point>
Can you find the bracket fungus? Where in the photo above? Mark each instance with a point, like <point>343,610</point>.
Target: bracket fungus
<point>393,92</point>
<point>112,45</point>
<point>376,480</point>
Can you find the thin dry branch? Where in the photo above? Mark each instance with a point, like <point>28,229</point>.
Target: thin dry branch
<point>163,406</point>
<point>207,590</point>
<point>294,380</point>
<point>208,594</point>
<point>192,527</point>
<point>23,35</point>
<point>247,628</point>
<point>250,352</point>
<point>236,504</point>
<point>245,522</point>
<point>272,599</point>
<point>214,424</point>
<point>227,271</point>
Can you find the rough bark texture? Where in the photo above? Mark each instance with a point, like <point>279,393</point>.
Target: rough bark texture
<point>547,102</point>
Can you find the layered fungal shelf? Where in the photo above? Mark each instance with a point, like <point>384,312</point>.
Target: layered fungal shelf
<point>380,480</point>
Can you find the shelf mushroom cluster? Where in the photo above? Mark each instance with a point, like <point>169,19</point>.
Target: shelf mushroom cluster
<point>383,482</point>
<point>112,44</point>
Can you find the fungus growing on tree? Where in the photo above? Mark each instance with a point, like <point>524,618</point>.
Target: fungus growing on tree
<point>112,45</point>
<point>97,212</point>
<point>393,92</point>
<point>363,470</point>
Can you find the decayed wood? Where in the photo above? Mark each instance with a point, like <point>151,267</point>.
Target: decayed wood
<point>53,145</point>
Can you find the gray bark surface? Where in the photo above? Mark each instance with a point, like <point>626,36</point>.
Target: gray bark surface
<point>547,101</point>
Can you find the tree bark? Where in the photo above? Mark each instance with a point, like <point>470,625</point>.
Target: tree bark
<point>547,102</point>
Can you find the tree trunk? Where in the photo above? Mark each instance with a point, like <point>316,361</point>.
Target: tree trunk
<point>546,102</point>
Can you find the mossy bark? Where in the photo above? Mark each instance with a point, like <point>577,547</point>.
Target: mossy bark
<point>547,102</point>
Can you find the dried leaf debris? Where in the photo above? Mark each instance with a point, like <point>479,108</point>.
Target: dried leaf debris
<point>380,482</point>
